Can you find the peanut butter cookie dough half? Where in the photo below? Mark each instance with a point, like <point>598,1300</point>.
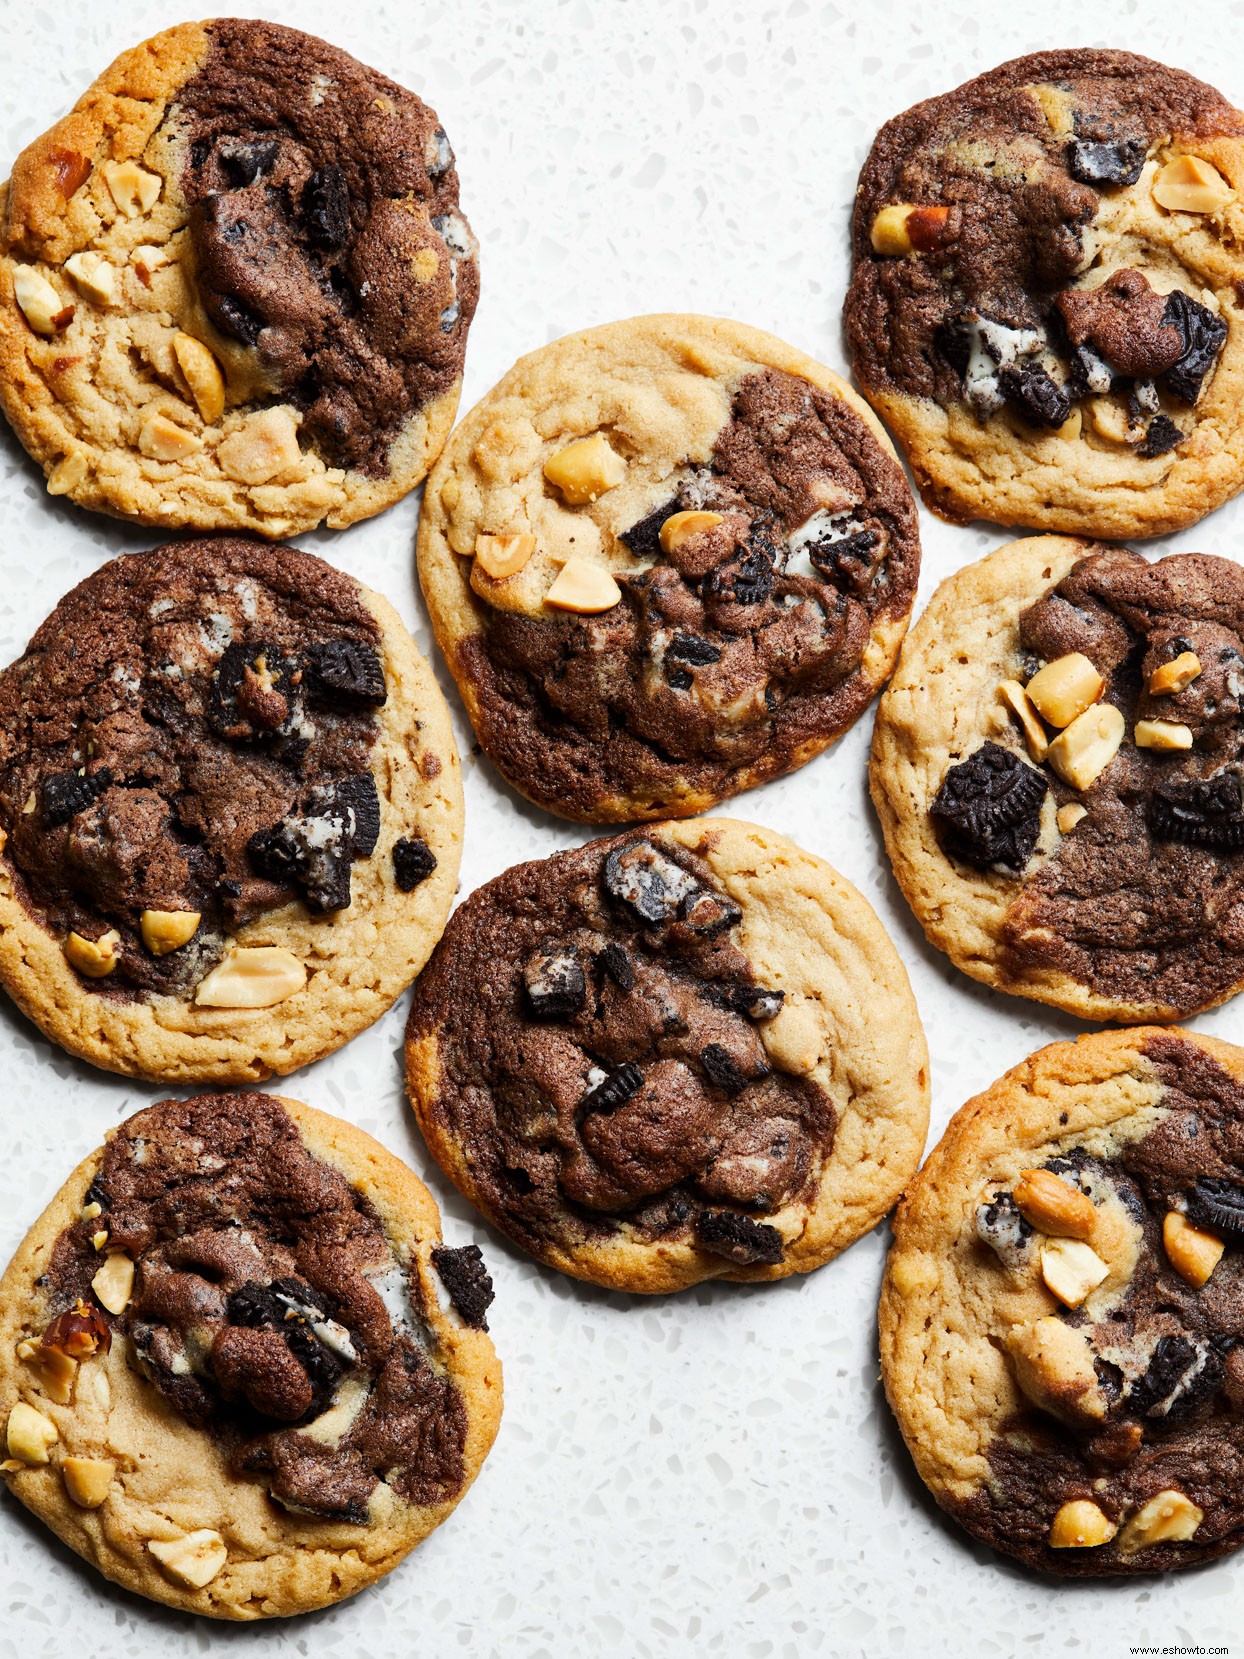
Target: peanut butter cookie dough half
<point>666,559</point>
<point>240,1374</point>
<point>1062,1314</point>
<point>235,286</point>
<point>231,813</point>
<point>1057,766</point>
<point>667,1056</point>
<point>1046,297</point>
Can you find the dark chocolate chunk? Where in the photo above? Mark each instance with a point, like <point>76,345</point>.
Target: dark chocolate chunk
<point>722,1069</point>
<point>346,668</point>
<point>413,862</point>
<point>1028,388</point>
<point>989,808</point>
<point>1203,335</point>
<point>467,1280</point>
<point>64,794</point>
<point>243,163</point>
<point>614,960</point>
<point>555,984</point>
<point>1217,1203</point>
<point>644,538</point>
<point>1203,812</point>
<point>1162,435</point>
<point>614,1090</point>
<point>694,650</point>
<point>326,207</point>
<point>738,1238</point>
<point>1117,161</point>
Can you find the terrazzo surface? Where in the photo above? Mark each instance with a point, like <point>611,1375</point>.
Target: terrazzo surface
<point>717,1472</point>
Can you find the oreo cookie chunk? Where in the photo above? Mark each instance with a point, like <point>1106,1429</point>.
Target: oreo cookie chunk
<point>1058,765</point>
<point>666,560</point>
<point>1062,1316</point>
<point>266,237</point>
<point>215,760</point>
<point>634,1058</point>
<point>231,1326</point>
<point>1044,300</point>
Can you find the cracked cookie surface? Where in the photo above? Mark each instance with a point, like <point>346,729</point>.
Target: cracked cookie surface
<point>235,286</point>
<point>1045,299</point>
<point>1062,1315</point>
<point>666,559</point>
<point>282,1399</point>
<point>1094,860</point>
<point>672,1055</point>
<point>231,808</point>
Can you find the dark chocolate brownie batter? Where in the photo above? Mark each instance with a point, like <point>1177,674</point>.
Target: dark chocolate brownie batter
<point>191,729</point>
<point>1144,901</point>
<point>266,1291</point>
<point>1169,1359</point>
<point>737,653</point>
<point>599,1060</point>
<point>988,311</point>
<point>326,231</point>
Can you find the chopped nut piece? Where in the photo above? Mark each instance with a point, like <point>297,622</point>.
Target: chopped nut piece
<point>168,930</point>
<point>1054,1368</point>
<point>40,304</point>
<point>98,1240</point>
<point>55,1368</point>
<point>1111,420</point>
<point>91,1210</point>
<point>1070,1269</point>
<point>146,258</point>
<point>1193,1252</point>
<point>1162,734</point>
<point>1189,185</point>
<point>266,446</point>
<point>502,556</point>
<point>194,1560</point>
<point>903,228</point>
<point>1081,1525</point>
<point>256,976</point>
<point>93,276</point>
<point>1065,687</point>
<point>131,187</point>
<point>1082,753</point>
<point>30,1434</point>
<point>1054,1206</point>
<point>583,585</point>
<point>114,1283</point>
<point>1021,706</point>
<point>68,473</point>
<point>680,527</point>
<point>1067,817</point>
<point>163,440</point>
<point>1071,428</point>
<point>1176,675</point>
<point>87,1479</point>
<point>203,376</point>
<point>585,469</point>
<point>1168,1518</point>
<point>1055,106</point>
<point>96,958</point>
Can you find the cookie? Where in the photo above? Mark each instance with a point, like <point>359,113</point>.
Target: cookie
<point>235,286</point>
<point>665,559</point>
<point>231,813</point>
<point>663,1057</point>
<point>1063,1304</point>
<point>236,1373</point>
<point>1045,299</point>
<point>1056,766</point>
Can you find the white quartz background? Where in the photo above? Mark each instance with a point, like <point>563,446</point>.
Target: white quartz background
<point>715,1473</point>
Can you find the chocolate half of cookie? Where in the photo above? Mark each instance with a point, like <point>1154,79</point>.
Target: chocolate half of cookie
<point>588,1041</point>
<point>1128,1453</point>
<point>186,747</point>
<point>1126,687</point>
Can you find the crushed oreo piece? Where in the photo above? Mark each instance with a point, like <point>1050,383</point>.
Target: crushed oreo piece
<point>692,649</point>
<point>1117,161</point>
<point>555,984</point>
<point>232,317</point>
<point>64,794</point>
<point>681,679</point>
<point>738,1238</point>
<point>1203,336</point>
<point>644,539</point>
<point>326,207</point>
<point>357,796</point>
<point>1000,1225</point>
<point>1180,1376</point>
<point>243,163</point>
<point>989,808</point>
<point>467,1280</point>
<point>753,1000</point>
<point>1203,812</point>
<point>314,848</point>
<point>845,558</point>
<point>1217,1203</point>
<point>1030,389</point>
<point>413,862</point>
<point>613,959</point>
<point>722,1069</point>
<point>346,668</point>
<point>614,1090</point>
<point>1162,436</point>
<point>650,885</point>
<point>252,692</point>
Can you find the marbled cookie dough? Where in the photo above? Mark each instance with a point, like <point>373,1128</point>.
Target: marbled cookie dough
<point>666,559</point>
<point>673,1055</point>
<point>1062,1316</point>
<point>239,1372</point>
<point>230,813</point>
<point>1046,298</point>
<point>235,286</point>
<point>1058,766</point>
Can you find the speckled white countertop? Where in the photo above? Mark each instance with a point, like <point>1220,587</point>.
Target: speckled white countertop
<point>716,1473</point>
